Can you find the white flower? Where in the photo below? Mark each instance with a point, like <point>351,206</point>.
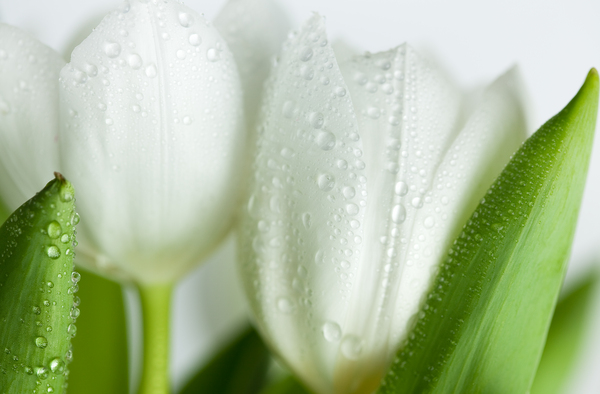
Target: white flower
<point>149,126</point>
<point>364,173</point>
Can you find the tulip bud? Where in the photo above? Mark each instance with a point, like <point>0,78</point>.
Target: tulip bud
<point>364,173</point>
<point>152,136</point>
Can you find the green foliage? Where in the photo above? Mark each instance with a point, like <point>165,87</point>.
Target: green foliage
<point>101,363</point>
<point>566,336</point>
<point>288,385</point>
<point>238,369</point>
<point>37,312</point>
<point>483,326</point>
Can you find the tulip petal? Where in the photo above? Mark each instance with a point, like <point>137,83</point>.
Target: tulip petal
<point>254,31</point>
<point>28,115</point>
<point>489,309</point>
<point>408,116</point>
<point>153,135</point>
<point>300,241</point>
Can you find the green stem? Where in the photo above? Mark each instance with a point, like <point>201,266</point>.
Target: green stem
<point>156,301</point>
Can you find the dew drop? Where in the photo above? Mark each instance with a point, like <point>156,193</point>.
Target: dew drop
<point>325,140</point>
<point>181,54</point>
<point>351,347</point>
<point>398,213</point>
<point>41,342</point>
<point>54,229</point>
<point>307,73</point>
<point>307,220</point>
<point>72,330</point>
<point>316,120</point>
<point>75,313</point>
<point>417,202</point>
<point>306,54</point>
<point>213,55</point>
<point>351,209</point>
<point>75,277</point>
<point>65,238</point>
<point>57,366</point>
<point>187,120</point>
<point>135,61</point>
<point>326,182</point>
<point>319,257</point>
<point>285,305</point>
<point>349,192</point>
<point>331,331</point>
<point>340,91</point>
<point>53,252</point>
<point>374,113</point>
<point>185,19</point>
<point>42,372</point>
<point>428,222</point>
<point>401,188</point>
<point>112,49</point>
<point>151,71</point>
<point>194,39</point>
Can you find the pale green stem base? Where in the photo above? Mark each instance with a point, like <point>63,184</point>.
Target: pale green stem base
<point>156,302</point>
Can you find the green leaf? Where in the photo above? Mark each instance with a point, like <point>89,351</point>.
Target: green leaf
<point>482,327</point>
<point>37,283</point>
<point>238,369</point>
<point>100,364</point>
<point>288,385</point>
<point>566,336</point>
<point>4,212</point>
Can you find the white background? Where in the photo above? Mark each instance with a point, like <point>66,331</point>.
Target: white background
<point>554,43</point>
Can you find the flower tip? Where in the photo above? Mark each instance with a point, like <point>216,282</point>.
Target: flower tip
<point>59,177</point>
<point>592,75</point>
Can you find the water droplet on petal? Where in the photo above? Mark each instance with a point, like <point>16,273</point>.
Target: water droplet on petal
<point>352,209</point>
<point>112,49</point>
<point>332,331</point>
<point>306,54</point>
<point>151,71</point>
<point>316,120</point>
<point>428,222</point>
<point>401,188</point>
<point>349,192</point>
<point>325,140</point>
<point>285,305</point>
<point>194,39</point>
<point>135,61</point>
<point>326,182</point>
<point>185,19</point>
<point>213,55</point>
<point>398,213</point>
<point>351,347</point>
<point>307,220</point>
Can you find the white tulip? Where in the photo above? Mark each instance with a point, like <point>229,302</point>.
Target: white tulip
<point>365,172</point>
<point>28,115</point>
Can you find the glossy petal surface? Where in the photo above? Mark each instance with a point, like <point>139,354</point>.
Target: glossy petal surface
<point>364,174</point>
<point>152,130</point>
<point>254,31</point>
<point>28,115</point>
